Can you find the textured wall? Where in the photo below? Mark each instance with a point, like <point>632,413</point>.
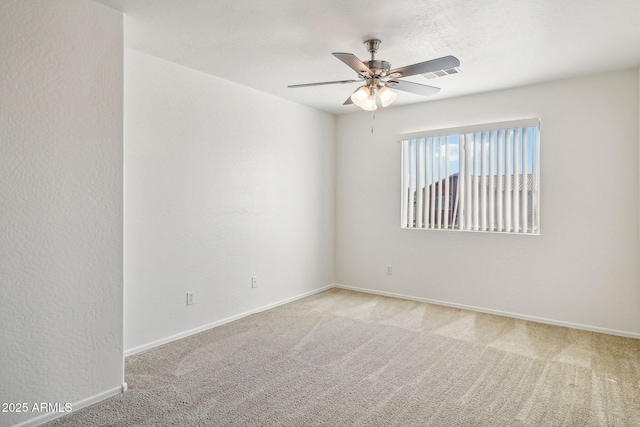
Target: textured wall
<point>582,269</point>
<point>60,202</point>
<point>222,182</point>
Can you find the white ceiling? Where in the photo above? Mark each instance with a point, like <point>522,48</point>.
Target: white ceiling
<point>268,45</point>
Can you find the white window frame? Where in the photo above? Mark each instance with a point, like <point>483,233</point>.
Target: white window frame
<point>425,164</point>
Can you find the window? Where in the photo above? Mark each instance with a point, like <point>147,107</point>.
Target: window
<point>476,178</point>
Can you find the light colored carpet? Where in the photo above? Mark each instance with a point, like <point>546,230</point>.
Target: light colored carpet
<point>342,358</point>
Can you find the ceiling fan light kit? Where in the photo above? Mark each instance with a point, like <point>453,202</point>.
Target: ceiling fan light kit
<point>364,98</point>
<point>378,77</point>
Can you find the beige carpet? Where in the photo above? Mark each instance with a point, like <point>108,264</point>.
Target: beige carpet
<point>343,358</point>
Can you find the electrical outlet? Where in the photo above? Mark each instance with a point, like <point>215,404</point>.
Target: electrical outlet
<point>254,281</point>
<point>389,270</point>
<point>189,298</point>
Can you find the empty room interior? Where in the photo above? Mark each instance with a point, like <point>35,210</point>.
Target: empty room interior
<point>332,213</point>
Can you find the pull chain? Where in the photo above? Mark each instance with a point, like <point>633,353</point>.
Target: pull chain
<point>373,118</point>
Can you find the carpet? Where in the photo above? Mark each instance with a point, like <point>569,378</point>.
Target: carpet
<point>344,358</point>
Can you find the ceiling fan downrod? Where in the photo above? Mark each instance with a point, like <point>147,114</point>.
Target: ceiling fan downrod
<point>378,67</point>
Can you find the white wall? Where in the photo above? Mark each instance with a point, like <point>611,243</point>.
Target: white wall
<point>61,203</point>
<point>222,182</point>
<point>582,269</point>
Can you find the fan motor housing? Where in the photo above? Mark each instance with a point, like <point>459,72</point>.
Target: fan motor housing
<point>378,66</point>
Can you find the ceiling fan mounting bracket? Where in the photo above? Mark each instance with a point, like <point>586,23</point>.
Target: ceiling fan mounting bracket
<point>372,46</point>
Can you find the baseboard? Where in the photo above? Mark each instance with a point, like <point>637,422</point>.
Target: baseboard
<point>203,328</point>
<point>497,312</point>
<point>50,416</point>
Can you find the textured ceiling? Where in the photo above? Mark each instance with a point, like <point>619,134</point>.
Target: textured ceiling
<point>500,43</point>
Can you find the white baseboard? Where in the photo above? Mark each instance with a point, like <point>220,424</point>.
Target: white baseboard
<point>50,416</point>
<point>498,312</point>
<point>202,328</point>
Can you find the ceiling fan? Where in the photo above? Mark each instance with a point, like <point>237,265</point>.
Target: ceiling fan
<point>378,77</point>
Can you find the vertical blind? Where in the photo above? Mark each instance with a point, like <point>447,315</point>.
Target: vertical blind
<point>476,178</point>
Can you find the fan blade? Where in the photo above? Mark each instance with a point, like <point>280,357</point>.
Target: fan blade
<point>444,63</point>
<point>353,62</point>
<point>324,83</point>
<point>416,88</point>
